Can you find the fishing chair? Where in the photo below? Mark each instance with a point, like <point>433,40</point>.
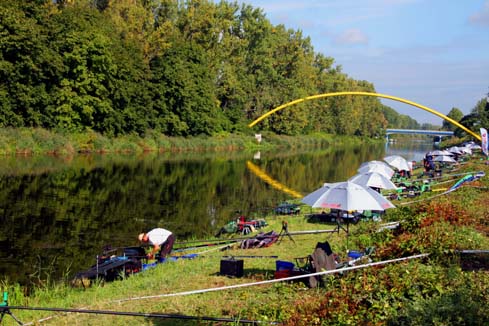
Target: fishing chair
<point>322,259</point>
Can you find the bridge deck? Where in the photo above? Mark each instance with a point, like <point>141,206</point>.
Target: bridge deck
<point>422,132</point>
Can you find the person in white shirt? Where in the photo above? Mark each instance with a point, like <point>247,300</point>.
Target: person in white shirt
<point>161,239</point>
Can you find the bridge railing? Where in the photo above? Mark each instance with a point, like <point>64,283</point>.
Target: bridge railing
<point>421,132</point>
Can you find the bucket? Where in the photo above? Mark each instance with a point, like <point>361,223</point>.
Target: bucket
<point>284,265</point>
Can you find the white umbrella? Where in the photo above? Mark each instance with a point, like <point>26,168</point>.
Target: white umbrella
<point>373,179</point>
<point>455,150</point>
<point>347,196</point>
<point>381,168</point>
<point>444,158</point>
<point>474,146</point>
<point>466,150</point>
<point>369,163</point>
<point>439,152</point>
<point>398,162</point>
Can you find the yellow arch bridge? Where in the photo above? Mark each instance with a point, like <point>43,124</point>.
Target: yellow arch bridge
<point>325,95</point>
<point>264,176</point>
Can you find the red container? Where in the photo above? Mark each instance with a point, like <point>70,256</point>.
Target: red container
<point>287,273</point>
<point>283,274</point>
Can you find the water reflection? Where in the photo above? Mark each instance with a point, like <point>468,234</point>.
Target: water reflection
<point>272,182</point>
<point>58,213</point>
<point>413,150</point>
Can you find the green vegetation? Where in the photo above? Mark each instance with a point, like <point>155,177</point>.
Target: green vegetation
<point>454,114</point>
<point>477,118</point>
<point>27,141</point>
<point>123,68</point>
<point>429,291</point>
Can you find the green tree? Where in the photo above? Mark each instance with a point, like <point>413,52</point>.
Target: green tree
<point>477,118</point>
<point>140,22</point>
<point>177,67</point>
<point>184,92</point>
<point>321,119</point>
<point>454,114</point>
<point>481,109</point>
<point>28,65</point>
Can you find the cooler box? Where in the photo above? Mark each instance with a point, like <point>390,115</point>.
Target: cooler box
<point>232,267</point>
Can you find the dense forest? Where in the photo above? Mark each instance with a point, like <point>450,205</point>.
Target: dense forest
<point>180,68</point>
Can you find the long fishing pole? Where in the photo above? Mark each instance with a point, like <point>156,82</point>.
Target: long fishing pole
<point>296,277</point>
<point>249,256</point>
<point>437,180</point>
<point>143,314</point>
<point>202,245</point>
<point>428,198</point>
<point>265,236</point>
<point>450,175</point>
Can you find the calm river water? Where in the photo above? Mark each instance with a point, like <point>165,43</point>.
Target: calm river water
<point>57,214</point>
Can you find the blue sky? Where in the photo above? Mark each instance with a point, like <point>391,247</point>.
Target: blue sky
<point>432,52</point>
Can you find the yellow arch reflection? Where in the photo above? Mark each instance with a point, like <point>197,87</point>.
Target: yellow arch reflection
<point>313,97</point>
<point>274,183</point>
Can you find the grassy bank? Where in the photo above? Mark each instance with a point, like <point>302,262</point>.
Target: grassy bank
<point>31,141</point>
<point>429,291</point>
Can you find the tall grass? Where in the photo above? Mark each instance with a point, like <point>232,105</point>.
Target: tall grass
<point>35,141</point>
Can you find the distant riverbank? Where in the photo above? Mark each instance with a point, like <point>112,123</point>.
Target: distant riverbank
<point>35,141</point>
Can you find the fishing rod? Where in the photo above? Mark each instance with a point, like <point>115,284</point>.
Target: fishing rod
<point>249,256</point>
<point>108,251</point>
<point>428,198</point>
<point>296,277</point>
<point>450,175</point>
<point>435,181</point>
<point>202,245</point>
<point>265,236</point>
<point>142,314</point>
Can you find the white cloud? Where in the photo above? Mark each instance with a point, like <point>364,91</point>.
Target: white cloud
<point>481,17</point>
<point>338,12</point>
<point>437,85</point>
<point>352,36</point>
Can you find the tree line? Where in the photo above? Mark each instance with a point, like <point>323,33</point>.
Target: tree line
<point>476,119</point>
<point>181,68</point>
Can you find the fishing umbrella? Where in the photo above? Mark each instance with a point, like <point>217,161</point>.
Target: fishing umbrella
<point>373,179</point>
<point>374,162</point>
<point>466,150</point>
<point>444,158</point>
<point>455,149</point>
<point>398,162</point>
<point>474,146</point>
<point>376,166</point>
<point>347,196</point>
<point>439,152</point>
